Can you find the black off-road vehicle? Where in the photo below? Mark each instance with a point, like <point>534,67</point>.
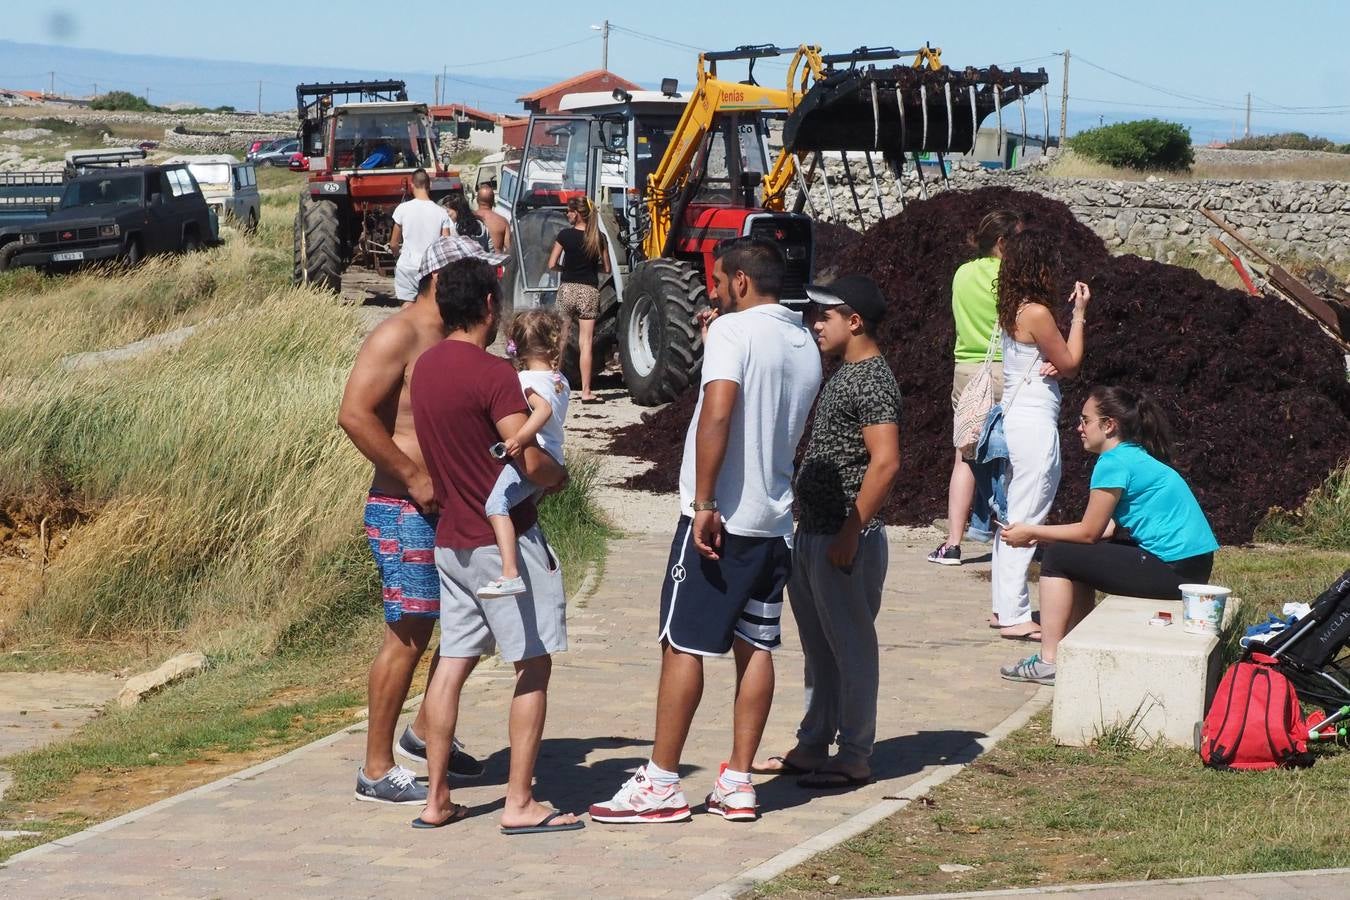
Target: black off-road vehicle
<point>126,213</point>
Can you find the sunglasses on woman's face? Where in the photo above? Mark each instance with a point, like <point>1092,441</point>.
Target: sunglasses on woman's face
<point>1083,420</point>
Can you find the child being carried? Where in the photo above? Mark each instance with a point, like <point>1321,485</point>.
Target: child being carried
<point>533,342</point>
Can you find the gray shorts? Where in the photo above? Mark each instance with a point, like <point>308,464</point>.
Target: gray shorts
<point>521,627</point>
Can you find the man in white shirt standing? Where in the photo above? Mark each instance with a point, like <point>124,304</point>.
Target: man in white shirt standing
<point>731,554</point>
<point>417,222</point>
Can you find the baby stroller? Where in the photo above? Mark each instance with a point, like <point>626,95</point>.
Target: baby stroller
<point>1314,654</point>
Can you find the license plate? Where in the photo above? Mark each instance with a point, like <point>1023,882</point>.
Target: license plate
<point>68,256</point>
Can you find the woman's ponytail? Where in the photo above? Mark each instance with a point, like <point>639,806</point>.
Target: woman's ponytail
<point>592,241</point>
<point>1155,433</point>
<point>1138,419</point>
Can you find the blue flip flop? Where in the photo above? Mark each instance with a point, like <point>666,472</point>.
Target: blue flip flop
<point>544,826</point>
<point>458,814</point>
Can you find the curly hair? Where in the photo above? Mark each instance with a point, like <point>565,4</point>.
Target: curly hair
<point>537,334</point>
<point>1029,273</point>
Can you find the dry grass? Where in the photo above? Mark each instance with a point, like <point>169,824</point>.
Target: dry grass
<point>1071,165</point>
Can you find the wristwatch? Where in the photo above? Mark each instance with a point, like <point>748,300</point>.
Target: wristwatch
<point>704,505</point>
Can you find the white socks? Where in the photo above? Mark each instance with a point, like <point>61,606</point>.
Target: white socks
<point>660,777</point>
<point>731,776</point>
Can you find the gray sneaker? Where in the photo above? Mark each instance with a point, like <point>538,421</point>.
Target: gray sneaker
<point>398,785</point>
<point>1033,669</point>
<point>462,765</point>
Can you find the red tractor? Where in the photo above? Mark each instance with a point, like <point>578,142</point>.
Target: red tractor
<point>360,154</point>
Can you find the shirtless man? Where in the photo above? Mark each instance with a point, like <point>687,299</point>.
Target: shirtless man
<point>499,230</point>
<point>400,521</point>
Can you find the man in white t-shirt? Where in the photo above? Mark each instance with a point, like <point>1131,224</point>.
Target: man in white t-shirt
<point>732,553</point>
<point>417,222</point>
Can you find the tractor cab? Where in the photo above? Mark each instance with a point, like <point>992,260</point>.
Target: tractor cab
<point>380,137</point>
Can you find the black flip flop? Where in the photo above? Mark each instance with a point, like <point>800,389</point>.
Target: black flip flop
<point>786,768</point>
<point>544,826</point>
<point>1031,637</point>
<point>458,814</point>
<point>828,779</point>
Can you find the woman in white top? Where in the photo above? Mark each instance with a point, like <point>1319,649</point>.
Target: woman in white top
<point>1031,337</point>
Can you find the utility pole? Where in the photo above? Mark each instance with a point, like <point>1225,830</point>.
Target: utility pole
<point>1064,104</point>
<point>445,84</point>
<point>51,84</point>
<point>260,98</point>
<point>604,45</point>
<point>95,90</point>
<point>436,90</point>
<point>1247,131</point>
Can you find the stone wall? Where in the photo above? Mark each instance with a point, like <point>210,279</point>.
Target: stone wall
<point>1305,218</point>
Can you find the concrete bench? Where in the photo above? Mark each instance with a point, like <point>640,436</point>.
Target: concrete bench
<point>1115,666</point>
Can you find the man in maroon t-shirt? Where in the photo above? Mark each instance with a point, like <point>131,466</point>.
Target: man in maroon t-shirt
<point>465,400</point>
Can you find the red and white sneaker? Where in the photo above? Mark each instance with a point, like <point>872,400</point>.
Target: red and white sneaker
<point>732,801</point>
<point>640,801</point>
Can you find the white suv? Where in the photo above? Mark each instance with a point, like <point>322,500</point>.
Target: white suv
<point>230,188</point>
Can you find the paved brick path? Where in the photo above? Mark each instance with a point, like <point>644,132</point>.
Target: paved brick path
<point>295,830</point>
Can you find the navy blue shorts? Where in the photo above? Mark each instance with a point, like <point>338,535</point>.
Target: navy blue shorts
<point>706,603</point>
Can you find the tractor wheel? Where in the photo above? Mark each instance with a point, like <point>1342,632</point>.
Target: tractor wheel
<point>318,247</point>
<point>7,254</point>
<point>659,344</point>
<point>602,344</point>
<point>251,222</point>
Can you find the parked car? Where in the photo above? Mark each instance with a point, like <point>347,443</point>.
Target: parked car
<point>258,145</point>
<point>25,198</point>
<point>278,155</point>
<point>230,187</point>
<point>29,197</point>
<point>123,213</point>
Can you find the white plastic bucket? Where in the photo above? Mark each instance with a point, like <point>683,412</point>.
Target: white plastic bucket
<point>1202,607</point>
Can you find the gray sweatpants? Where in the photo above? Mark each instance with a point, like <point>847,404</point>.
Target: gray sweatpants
<point>836,618</point>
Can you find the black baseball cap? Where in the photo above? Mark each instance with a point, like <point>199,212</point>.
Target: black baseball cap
<point>860,293</point>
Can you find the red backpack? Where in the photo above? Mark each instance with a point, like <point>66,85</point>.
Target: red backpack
<point>1255,721</point>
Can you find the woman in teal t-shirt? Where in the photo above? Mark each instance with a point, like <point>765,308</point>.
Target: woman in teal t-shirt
<point>1143,534</point>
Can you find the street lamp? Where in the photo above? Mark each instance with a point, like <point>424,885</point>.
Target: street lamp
<point>603,28</point>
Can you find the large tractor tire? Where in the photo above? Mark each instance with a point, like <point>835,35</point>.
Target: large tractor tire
<point>602,344</point>
<point>318,246</point>
<point>659,345</point>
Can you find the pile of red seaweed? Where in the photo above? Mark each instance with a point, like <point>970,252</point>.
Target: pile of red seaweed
<point>1257,394</point>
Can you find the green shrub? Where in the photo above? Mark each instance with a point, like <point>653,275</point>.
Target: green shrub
<point>1143,144</point>
<point>122,100</point>
<point>1289,140</point>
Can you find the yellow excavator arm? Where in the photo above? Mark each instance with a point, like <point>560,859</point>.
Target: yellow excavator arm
<point>710,97</point>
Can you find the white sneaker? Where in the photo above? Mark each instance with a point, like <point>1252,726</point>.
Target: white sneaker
<point>502,587</point>
<point>733,801</point>
<point>641,801</point>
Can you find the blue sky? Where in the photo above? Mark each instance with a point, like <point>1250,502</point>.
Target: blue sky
<point>1196,60</point>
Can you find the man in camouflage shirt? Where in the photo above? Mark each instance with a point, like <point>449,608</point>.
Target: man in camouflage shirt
<point>840,554</point>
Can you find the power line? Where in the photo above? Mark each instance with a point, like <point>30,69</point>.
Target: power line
<point>1194,98</point>
<point>485,62</point>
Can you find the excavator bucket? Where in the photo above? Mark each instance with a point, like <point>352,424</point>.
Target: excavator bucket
<point>903,109</point>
